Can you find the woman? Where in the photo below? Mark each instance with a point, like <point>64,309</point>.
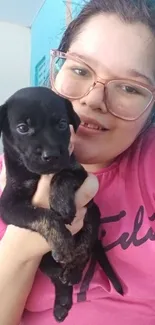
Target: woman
<point>109,75</point>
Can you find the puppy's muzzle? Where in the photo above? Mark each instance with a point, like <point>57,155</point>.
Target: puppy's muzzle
<point>50,155</point>
<point>47,160</point>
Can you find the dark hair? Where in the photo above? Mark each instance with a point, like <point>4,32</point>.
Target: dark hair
<point>130,11</point>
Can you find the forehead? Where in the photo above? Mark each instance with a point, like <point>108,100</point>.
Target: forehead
<point>112,47</point>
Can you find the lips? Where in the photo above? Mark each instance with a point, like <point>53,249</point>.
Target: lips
<point>92,124</point>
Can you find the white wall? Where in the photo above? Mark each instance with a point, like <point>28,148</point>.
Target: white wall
<point>15,48</point>
<point>20,12</point>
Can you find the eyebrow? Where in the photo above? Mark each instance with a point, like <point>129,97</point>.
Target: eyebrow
<point>136,73</point>
<point>85,58</point>
<point>131,72</point>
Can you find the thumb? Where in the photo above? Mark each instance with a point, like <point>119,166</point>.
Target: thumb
<point>3,176</point>
<point>87,191</point>
<point>41,196</point>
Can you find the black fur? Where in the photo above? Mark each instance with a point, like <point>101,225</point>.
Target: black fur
<point>35,129</point>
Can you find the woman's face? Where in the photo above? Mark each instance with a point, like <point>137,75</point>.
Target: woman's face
<point>113,49</point>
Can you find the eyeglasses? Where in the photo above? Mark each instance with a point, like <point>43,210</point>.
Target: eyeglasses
<point>72,78</point>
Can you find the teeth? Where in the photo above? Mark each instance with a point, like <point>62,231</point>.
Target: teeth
<point>91,126</point>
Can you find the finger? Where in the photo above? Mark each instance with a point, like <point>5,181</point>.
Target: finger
<point>87,191</point>
<point>41,196</point>
<point>78,221</point>
<point>71,144</point>
<point>74,229</point>
<point>80,214</point>
<point>71,148</point>
<point>72,130</point>
<point>3,176</point>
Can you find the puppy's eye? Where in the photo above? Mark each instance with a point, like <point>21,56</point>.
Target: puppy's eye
<point>23,128</point>
<point>62,125</point>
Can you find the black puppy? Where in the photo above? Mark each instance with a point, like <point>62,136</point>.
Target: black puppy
<point>36,136</point>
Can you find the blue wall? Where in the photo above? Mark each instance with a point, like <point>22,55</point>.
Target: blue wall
<point>46,33</point>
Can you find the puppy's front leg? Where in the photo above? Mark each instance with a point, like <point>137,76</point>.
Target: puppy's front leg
<point>62,199</point>
<point>62,195</point>
<point>46,222</point>
<point>85,240</point>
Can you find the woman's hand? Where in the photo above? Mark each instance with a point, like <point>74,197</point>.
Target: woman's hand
<point>86,192</point>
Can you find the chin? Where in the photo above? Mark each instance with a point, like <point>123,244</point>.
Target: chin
<point>85,152</point>
<point>84,157</point>
<point>90,157</point>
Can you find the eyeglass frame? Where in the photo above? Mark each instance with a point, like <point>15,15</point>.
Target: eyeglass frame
<point>97,79</point>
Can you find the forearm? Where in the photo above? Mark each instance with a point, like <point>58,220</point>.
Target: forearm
<point>16,279</point>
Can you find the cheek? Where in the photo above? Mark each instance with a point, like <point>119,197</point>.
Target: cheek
<point>117,140</point>
<point>133,128</point>
<point>76,105</point>
<point>126,132</point>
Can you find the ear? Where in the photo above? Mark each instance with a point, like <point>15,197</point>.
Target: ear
<point>3,111</point>
<point>73,117</point>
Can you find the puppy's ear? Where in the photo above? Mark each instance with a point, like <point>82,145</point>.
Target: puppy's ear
<point>73,117</point>
<point>3,112</point>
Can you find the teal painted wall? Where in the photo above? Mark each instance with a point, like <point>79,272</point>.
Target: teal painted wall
<point>46,33</point>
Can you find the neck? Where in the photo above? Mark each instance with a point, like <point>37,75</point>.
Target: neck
<point>94,168</point>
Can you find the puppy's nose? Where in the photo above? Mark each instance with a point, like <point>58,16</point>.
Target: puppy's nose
<point>50,155</point>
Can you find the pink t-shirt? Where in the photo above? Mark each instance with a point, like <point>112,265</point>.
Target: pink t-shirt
<point>127,202</point>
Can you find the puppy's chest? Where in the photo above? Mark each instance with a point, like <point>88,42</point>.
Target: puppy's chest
<point>30,185</point>
<point>25,187</point>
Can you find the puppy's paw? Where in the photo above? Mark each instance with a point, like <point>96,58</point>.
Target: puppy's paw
<point>62,305</point>
<point>66,209</point>
<point>60,313</point>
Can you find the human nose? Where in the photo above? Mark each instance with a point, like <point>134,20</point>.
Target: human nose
<point>95,99</point>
